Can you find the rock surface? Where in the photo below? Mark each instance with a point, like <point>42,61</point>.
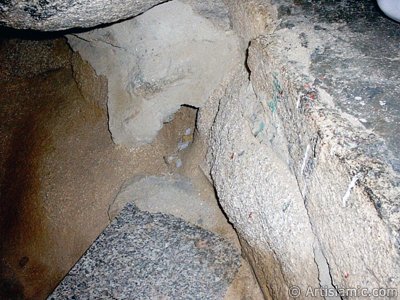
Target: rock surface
<point>59,170</point>
<point>174,54</point>
<point>194,201</point>
<point>152,256</point>
<point>303,143</point>
<point>29,58</point>
<point>61,14</point>
<point>170,195</point>
<point>260,195</point>
<point>304,156</point>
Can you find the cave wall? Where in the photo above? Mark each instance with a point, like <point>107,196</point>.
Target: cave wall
<point>306,168</point>
<point>311,190</point>
<point>52,131</point>
<point>299,176</point>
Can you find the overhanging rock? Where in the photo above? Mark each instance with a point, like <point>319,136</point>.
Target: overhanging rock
<point>61,14</point>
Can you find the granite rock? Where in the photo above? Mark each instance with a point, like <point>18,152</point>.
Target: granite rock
<point>57,15</point>
<point>152,256</point>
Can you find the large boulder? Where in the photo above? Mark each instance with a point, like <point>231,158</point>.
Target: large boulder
<point>175,54</point>
<point>56,15</point>
<point>260,194</point>
<point>304,150</point>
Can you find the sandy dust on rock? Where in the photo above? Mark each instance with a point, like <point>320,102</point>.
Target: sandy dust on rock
<point>60,171</point>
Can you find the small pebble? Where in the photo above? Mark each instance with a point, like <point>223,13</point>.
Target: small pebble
<point>183,145</point>
<point>178,163</point>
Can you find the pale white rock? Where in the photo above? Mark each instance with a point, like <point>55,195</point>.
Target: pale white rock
<point>167,57</point>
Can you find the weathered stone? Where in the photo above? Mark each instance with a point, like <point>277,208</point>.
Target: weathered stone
<point>167,57</point>
<point>92,87</point>
<point>145,255</point>
<point>260,194</point>
<point>29,58</point>
<point>61,14</point>
<point>304,155</point>
<point>170,195</point>
<point>303,135</point>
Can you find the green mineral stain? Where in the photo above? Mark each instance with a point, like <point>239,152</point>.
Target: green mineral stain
<point>272,105</point>
<point>277,85</point>
<point>278,90</point>
<point>261,128</point>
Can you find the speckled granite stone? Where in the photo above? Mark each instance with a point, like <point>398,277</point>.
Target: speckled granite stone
<point>152,256</point>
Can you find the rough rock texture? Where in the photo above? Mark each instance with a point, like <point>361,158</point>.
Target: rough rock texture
<point>192,200</point>
<point>304,150</point>
<point>61,14</point>
<point>29,58</point>
<point>304,156</point>
<point>259,193</point>
<point>59,170</point>
<point>152,256</point>
<point>92,87</point>
<point>172,195</point>
<point>174,54</point>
